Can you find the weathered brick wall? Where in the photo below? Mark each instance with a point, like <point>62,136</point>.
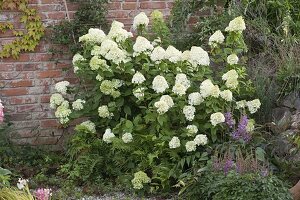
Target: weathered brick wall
<point>27,83</point>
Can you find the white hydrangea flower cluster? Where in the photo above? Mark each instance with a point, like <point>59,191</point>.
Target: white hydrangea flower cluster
<point>158,54</point>
<point>55,100</point>
<point>181,84</point>
<point>108,136</point>
<point>110,88</point>
<point>192,130</point>
<point>232,59</point>
<point>241,104</point>
<point>207,88</point>
<point>201,139</point>
<point>250,126</point>
<point>63,112</point>
<point>190,146</point>
<point>127,137</point>
<point>236,25</point>
<point>140,20</point>
<point>77,58</point>
<point>216,38</point>
<point>231,78</point>
<point>253,105</point>
<point>198,57</point>
<point>90,126</point>
<point>62,87</point>
<point>189,112</point>
<point>226,95</point>
<point>139,93</point>
<point>94,35</point>
<point>96,63</point>
<point>174,143</point>
<point>142,45</point>
<point>164,104</point>
<point>173,54</point>
<point>139,179</point>
<point>118,33</point>
<point>104,112</point>
<point>195,99</point>
<point>217,118</point>
<point>78,104</point>
<point>138,78</point>
<point>99,77</point>
<point>159,84</point>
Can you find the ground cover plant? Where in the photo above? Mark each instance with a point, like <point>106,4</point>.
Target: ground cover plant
<point>151,114</point>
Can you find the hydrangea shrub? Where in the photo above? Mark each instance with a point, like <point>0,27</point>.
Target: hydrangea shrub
<point>158,109</point>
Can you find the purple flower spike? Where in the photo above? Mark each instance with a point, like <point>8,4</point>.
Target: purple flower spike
<point>229,119</point>
<point>228,165</point>
<point>241,131</point>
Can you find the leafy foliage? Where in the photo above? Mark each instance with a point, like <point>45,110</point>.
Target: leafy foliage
<point>148,148</point>
<point>90,14</point>
<point>26,40</point>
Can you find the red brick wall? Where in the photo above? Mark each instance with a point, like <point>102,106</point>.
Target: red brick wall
<point>27,83</point>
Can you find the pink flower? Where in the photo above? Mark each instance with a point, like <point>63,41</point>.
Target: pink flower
<point>42,194</point>
<point>1,112</point>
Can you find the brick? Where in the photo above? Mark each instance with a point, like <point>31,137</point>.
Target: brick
<point>15,92</point>
<point>153,5</point>
<point>50,74</point>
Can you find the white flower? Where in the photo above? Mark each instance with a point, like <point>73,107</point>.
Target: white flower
<point>191,130</point>
<point>96,51</point>
<point>241,104</point>
<point>117,55</point>
<point>216,38</point>
<point>159,84</point>
<point>138,78</point>
<point>94,35</point>
<point>232,59</point>
<point>140,19</point>
<point>179,89</point>
<point>162,107</point>
<point>185,56</point>
<point>174,143</point>
<point>156,42</point>
<point>90,126</point>
<point>182,79</point>
<point>76,59</point>
<point>195,99</point>
<point>207,88</point>
<point>231,79</point>
<point>96,63</point>
<point>190,146</point>
<point>232,83</point>
<point>217,118</point>
<point>142,45</point>
<point>168,100</point>
<point>55,100</point>
<point>99,77</point>
<point>106,46</point>
<point>237,24</point>
<point>158,54</point>
<point>227,95</point>
<point>200,139</point>
<point>127,137</point>
<point>104,112</point>
<point>232,74</point>
<point>108,135</point>
<point>61,87</point>
<point>139,93</point>
<point>78,104</point>
<point>253,105</point>
<point>173,54</point>
<point>189,112</point>
<point>118,33</point>
<point>198,57</point>
<point>22,183</point>
<point>62,112</point>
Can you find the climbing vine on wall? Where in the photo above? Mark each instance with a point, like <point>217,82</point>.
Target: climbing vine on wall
<point>26,40</point>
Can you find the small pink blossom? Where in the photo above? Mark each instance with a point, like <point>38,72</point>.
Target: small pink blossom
<point>42,194</point>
